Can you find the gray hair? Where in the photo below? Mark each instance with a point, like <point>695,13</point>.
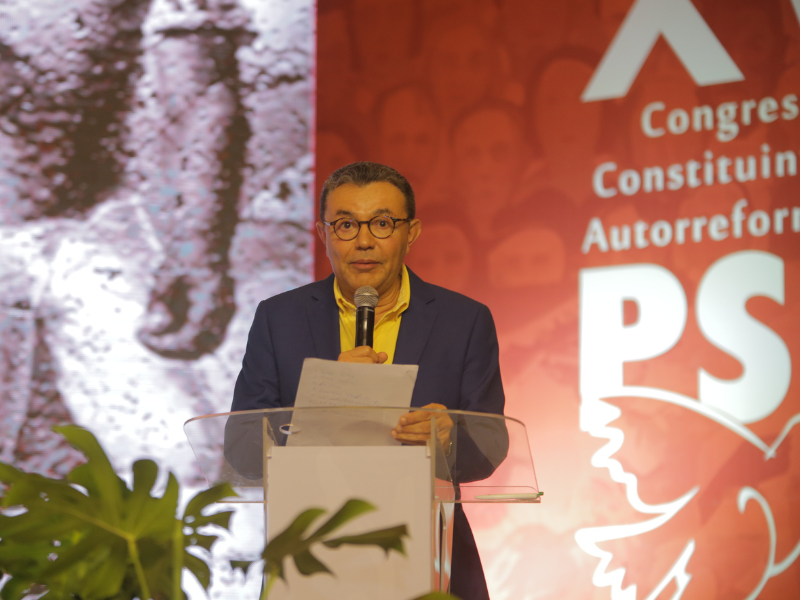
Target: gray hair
<point>362,174</point>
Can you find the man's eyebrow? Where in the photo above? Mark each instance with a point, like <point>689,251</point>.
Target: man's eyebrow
<point>376,212</point>
<point>383,211</point>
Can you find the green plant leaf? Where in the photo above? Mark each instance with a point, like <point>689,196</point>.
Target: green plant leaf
<point>96,475</point>
<point>308,564</point>
<point>242,565</point>
<point>387,539</point>
<point>197,539</point>
<point>145,473</point>
<point>106,578</point>
<point>17,553</point>
<point>29,527</point>
<point>220,519</point>
<point>14,589</point>
<point>207,497</point>
<point>349,511</point>
<point>90,537</point>
<point>199,569</point>
<point>193,519</point>
<point>289,542</point>
<point>27,489</point>
<point>93,549</point>
<point>155,517</point>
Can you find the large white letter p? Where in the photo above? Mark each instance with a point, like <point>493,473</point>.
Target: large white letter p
<point>606,343</point>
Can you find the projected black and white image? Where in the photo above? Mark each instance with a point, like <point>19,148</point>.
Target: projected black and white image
<point>154,186</point>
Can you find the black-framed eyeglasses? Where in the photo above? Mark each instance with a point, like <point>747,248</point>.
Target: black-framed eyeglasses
<point>347,228</point>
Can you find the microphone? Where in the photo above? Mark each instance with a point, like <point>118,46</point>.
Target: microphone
<point>365,299</point>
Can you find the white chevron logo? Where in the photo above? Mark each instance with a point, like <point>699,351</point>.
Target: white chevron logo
<point>685,31</point>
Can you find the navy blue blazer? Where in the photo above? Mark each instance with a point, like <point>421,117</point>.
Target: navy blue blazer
<point>451,337</point>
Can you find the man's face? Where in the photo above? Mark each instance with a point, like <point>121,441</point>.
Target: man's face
<point>367,260</point>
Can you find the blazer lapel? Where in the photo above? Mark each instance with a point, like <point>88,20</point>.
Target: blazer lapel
<point>416,324</point>
<point>323,320</point>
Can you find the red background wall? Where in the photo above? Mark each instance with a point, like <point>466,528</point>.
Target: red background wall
<point>478,103</point>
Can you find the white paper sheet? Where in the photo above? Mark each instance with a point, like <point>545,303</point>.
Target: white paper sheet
<point>328,384</point>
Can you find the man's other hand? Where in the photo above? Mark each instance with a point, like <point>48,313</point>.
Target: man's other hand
<point>363,354</point>
<point>415,427</point>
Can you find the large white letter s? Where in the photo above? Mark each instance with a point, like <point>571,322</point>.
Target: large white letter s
<point>721,314</point>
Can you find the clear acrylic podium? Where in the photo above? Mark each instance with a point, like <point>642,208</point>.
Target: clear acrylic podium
<point>291,459</point>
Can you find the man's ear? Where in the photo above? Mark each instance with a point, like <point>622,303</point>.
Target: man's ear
<point>321,233</point>
<point>414,230</point>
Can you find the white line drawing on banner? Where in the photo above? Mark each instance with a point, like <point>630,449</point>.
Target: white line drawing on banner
<point>607,343</point>
<point>588,538</point>
<point>683,28</point>
<point>710,412</point>
<point>745,495</point>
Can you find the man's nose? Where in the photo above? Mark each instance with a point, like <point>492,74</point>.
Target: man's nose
<point>365,239</point>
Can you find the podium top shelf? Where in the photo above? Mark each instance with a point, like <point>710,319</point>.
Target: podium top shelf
<point>478,457</point>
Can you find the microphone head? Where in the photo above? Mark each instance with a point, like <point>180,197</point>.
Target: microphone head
<point>366,296</point>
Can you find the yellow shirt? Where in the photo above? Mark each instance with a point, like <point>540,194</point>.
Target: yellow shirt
<point>385,336</point>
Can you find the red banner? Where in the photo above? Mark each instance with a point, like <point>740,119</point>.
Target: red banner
<point>618,182</point>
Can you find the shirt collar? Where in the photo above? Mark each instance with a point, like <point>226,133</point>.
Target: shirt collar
<point>403,299</point>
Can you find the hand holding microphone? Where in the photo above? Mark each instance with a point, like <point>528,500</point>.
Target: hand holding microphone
<point>365,299</point>
<point>413,428</point>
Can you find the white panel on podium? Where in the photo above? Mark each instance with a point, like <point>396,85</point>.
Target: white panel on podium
<point>487,460</point>
<point>397,480</point>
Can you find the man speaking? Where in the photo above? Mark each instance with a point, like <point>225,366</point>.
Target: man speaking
<point>367,223</point>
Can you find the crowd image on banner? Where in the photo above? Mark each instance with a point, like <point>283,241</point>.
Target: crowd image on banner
<point>522,186</point>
